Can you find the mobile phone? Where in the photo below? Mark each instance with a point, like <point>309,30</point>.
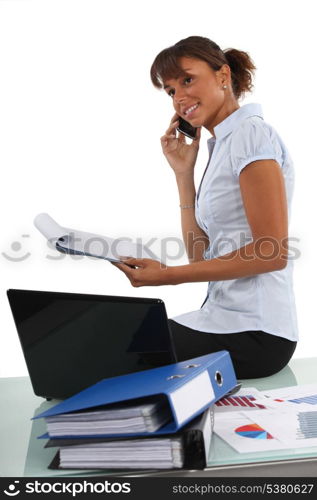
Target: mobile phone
<point>186,128</point>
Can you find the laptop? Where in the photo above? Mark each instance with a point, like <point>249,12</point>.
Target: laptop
<point>71,341</point>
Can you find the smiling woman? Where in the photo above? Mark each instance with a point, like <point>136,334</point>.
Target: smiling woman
<point>235,226</point>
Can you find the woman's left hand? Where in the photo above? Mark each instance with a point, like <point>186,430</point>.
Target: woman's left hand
<point>144,272</point>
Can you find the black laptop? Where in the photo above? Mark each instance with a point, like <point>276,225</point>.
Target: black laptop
<point>71,340</point>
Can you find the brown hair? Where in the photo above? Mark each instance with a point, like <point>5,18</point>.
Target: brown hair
<point>166,64</point>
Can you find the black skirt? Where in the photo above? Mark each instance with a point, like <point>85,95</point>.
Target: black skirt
<point>254,354</point>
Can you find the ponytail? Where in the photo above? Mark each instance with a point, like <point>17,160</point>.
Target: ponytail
<point>242,69</point>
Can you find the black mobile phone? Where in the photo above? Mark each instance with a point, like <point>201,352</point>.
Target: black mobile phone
<point>186,128</point>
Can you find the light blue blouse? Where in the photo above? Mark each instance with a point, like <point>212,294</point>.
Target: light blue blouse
<point>264,301</point>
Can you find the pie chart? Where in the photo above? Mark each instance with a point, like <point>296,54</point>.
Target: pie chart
<point>253,431</point>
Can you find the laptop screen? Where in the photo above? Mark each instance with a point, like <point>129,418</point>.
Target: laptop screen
<point>71,341</point>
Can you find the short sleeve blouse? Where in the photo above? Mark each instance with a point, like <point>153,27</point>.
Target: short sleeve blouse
<point>265,301</point>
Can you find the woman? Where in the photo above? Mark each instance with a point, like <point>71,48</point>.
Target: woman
<point>235,227</point>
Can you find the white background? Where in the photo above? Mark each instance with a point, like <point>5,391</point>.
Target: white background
<point>79,135</point>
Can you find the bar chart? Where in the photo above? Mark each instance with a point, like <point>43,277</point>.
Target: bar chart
<point>307,421</point>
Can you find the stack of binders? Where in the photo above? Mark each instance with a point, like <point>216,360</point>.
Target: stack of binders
<point>154,419</point>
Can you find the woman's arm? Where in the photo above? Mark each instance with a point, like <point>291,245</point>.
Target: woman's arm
<point>195,239</point>
<point>182,158</point>
<point>263,193</point>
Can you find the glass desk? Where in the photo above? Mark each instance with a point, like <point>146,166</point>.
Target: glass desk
<point>22,454</point>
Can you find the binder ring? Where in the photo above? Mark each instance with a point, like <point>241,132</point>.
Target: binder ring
<point>192,366</point>
<point>218,378</point>
<point>175,376</point>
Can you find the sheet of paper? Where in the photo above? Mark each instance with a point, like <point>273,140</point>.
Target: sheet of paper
<point>296,429</point>
<point>296,397</point>
<point>282,418</point>
<point>297,394</point>
<point>77,242</point>
<point>241,432</point>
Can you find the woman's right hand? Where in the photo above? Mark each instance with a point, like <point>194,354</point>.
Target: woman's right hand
<point>180,155</point>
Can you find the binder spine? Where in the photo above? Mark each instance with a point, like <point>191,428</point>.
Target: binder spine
<point>192,398</point>
<point>195,455</point>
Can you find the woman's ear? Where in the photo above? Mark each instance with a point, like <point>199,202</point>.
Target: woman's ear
<point>224,75</point>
